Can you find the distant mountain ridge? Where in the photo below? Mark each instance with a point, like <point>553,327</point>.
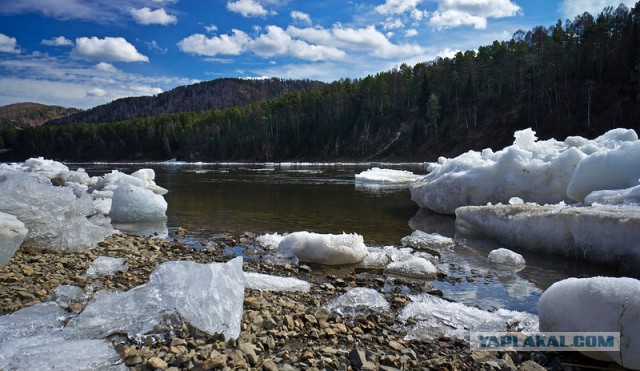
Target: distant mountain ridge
<point>207,95</point>
<point>22,115</point>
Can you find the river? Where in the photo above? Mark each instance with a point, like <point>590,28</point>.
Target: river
<point>209,199</point>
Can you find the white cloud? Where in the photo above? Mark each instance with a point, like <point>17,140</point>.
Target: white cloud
<point>70,83</point>
<point>248,8</point>
<point>109,49</point>
<point>277,42</point>
<point>300,16</point>
<point>411,32</point>
<point>392,24</point>
<point>572,8</point>
<point>96,92</point>
<point>211,28</point>
<point>146,16</point>
<point>153,45</point>
<point>454,13</point>
<point>105,67</point>
<point>217,45</point>
<point>397,6</point>
<point>57,41</point>
<point>8,44</point>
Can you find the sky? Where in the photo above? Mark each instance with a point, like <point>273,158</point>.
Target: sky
<point>83,53</point>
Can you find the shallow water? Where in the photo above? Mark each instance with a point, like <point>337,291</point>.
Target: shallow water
<point>208,199</point>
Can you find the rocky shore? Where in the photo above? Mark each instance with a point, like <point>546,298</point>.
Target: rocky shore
<point>280,330</point>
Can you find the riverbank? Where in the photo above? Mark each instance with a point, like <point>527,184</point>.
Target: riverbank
<point>280,330</point>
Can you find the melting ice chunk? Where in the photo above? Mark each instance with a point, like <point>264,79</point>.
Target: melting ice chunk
<point>358,300</point>
<point>438,317</point>
<point>106,265</point>
<point>605,304</point>
<point>136,204</point>
<point>55,217</point>
<point>208,296</point>
<point>386,176</point>
<point>422,240</point>
<point>12,233</point>
<point>506,257</point>
<point>259,281</point>
<point>328,249</point>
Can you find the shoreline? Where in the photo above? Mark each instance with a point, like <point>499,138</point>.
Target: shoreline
<point>280,330</point>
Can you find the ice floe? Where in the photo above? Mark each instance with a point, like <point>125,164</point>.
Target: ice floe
<point>377,175</point>
<point>506,257</point>
<point>422,240</point>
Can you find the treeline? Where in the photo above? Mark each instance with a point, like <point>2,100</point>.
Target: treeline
<point>203,96</point>
<point>579,77</point>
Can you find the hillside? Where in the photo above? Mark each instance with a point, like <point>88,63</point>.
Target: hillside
<point>579,77</point>
<point>208,95</point>
<point>21,115</point>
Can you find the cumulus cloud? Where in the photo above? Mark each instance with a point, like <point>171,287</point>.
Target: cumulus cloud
<point>277,42</point>
<point>57,41</point>
<point>248,8</point>
<point>199,44</point>
<point>96,92</point>
<point>454,13</point>
<point>105,67</point>
<point>146,16</point>
<point>153,45</point>
<point>301,17</point>
<point>211,28</point>
<point>411,32</point>
<point>8,44</point>
<point>572,8</point>
<point>109,49</point>
<point>397,6</point>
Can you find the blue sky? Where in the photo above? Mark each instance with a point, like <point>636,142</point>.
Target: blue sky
<point>78,53</point>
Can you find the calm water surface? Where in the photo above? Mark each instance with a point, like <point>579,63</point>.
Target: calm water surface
<point>213,198</point>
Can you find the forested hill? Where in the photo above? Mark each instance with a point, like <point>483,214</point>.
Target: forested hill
<point>21,115</point>
<point>579,77</point>
<point>208,95</point>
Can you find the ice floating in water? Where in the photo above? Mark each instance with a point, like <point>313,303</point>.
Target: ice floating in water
<point>55,217</point>
<point>12,233</point>
<point>136,204</point>
<point>386,176</point>
<point>106,265</point>
<point>421,240</point>
<point>596,304</point>
<point>265,282</point>
<point>412,266</point>
<point>598,234</point>
<point>208,296</point>
<point>359,300</point>
<point>438,317</point>
<point>535,171</point>
<point>506,257</point>
<point>328,249</point>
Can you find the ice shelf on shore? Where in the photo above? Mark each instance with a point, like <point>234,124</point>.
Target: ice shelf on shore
<point>358,300</point>
<point>596,304</point>
<point>546,171</point>
<point>506,257</point>
<point>266,282</point>
<point>598,234</point>
<point>208,296</point>
<point>12,233</point>
<point>438,317</point>
<point>377,175</point>
<point>106,265</point>
<point>56,218</point>
<point>328,249</point>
